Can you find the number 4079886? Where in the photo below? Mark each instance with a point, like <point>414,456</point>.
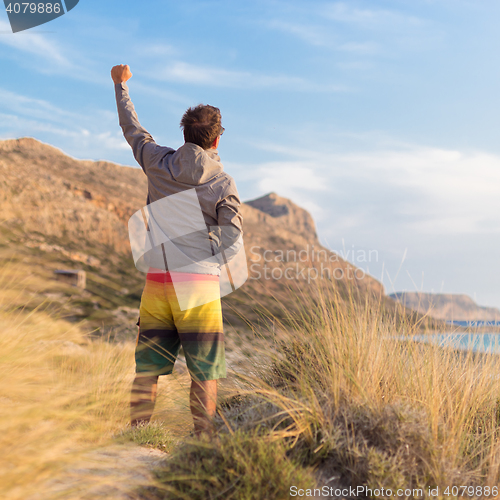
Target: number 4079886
<point>471,491</point>
<point>34,8</point>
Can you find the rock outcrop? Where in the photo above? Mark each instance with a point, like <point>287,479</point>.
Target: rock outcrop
<point>81,208</point>
<point>448,307</point>
<point>284,215</point>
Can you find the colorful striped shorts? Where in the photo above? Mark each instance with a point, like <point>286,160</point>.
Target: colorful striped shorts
<point>164,327</point>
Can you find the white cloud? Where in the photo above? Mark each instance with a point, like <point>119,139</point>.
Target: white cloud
<point>458,183</point>
<point>86,141</point>
<point>179,71</point>
<point>313,33</point>
<point>109,141</point>
<point>35,44</point>
<point>153,49</point>
<point>358,29</point>
<point>164,94</point>
<point>94,134</point>
<point>416,189</point>
<point>34,108</point>
<point>438,206</point>
<point>321,35</point>
<point>371,18</point>
<point>47,55</point>
<point>290,176</point>
<point>360,48</point>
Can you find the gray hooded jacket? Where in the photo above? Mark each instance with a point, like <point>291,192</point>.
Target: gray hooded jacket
<point>171,171</point>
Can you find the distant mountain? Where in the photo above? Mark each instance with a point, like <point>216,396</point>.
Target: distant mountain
<point>57,211</point>
<point>448,307</point>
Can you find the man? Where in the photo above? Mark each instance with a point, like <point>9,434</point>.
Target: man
<point>164,326</point>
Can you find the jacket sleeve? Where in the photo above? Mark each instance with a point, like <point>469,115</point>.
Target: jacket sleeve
<point>145,149</point>
<point>230,223</point>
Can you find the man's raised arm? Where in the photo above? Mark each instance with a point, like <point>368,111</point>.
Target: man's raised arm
<point>145,149</point>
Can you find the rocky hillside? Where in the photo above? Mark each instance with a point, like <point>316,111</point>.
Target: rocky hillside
<point>61,212</point>
<point>54,194</point>
<point>285,216</point>
<point>448,307</point>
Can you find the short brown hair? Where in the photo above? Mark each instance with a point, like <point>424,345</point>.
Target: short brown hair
<point>201,125</point>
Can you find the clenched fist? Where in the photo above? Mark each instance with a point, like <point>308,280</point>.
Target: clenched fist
<point>121,73</point>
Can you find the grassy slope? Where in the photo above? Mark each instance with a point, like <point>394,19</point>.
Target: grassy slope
<point>64,415</point>
<point>110,301</point>
<point>350,406</point>
<point>340,402</point>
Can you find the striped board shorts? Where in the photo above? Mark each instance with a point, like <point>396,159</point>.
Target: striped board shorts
<point>164,327</point>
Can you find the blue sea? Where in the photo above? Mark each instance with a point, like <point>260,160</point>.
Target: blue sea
<point>477,342</point>
<point>472,324</point>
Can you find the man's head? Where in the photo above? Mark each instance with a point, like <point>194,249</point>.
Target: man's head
<point>202,125</point>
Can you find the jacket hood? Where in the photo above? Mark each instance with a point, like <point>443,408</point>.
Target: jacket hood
<point>191,164</point>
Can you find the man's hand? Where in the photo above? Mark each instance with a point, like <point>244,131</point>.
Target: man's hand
<point>121,73</point>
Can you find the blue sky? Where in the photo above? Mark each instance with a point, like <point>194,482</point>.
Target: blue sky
<point>380,117</point>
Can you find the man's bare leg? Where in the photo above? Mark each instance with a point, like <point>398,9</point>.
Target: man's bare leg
<point>143,398</point>
<point>203,399</point>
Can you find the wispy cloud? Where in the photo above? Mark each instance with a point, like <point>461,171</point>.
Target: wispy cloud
<point>444,191</point>
<point>313,34</point>
<point>35,108</point>
<point>371,18</point>
<point>153,49</point>
<point>164,94</point>
<point>35,44</point>
<point>320,34</point>
<point>415,189</point>
<point>439,205</point>
<point>50,56</point>
<point>92,135</point>
<point>360,48</point>
<point>356,28</point>
<point>289,176</point>
<point>78,142</point>
<point>179,71</point>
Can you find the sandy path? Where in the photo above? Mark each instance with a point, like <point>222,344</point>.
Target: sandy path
<point>113,472</point>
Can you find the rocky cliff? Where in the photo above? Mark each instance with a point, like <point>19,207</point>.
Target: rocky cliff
<point>284,215</point>
<point>78,210</point>
<point>448,307</point>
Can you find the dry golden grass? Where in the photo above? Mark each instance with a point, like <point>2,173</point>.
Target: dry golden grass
<point>65,405</point>
<point>352,399</point>
<point>346,397</point>
<point>343,397</point>
<point>60,394</point>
